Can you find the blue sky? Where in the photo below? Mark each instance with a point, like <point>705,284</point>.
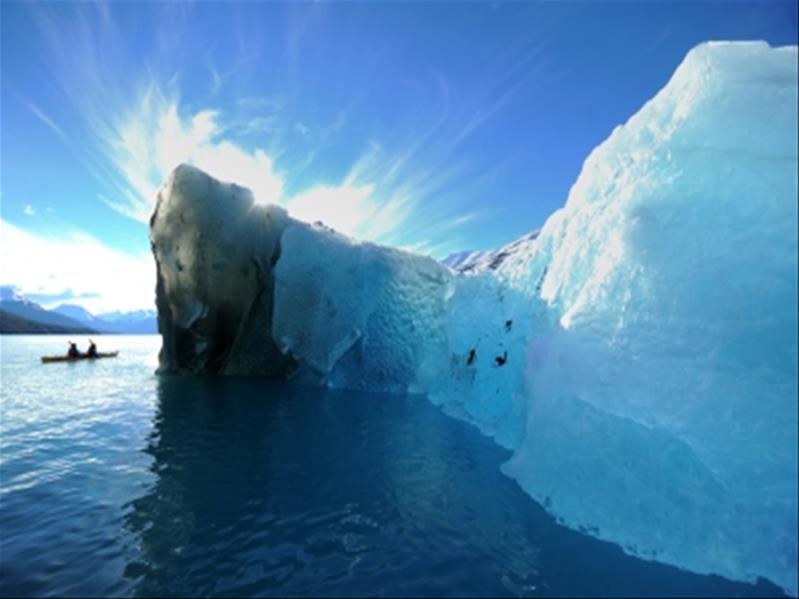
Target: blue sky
<point>433,126</point>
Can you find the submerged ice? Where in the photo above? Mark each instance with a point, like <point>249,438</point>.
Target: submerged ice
<point>638,355</point>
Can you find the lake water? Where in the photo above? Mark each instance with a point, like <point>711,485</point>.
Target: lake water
<point>114,481</point>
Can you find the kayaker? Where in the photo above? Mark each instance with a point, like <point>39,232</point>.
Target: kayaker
<point>73,352</point>
<point>92,351</point>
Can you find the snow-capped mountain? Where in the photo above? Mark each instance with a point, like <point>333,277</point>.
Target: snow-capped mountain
<point>473,262</point>
<point>16,304</point>
<point>77,313</point>
<point>135,322</point>
<point>76,317</point>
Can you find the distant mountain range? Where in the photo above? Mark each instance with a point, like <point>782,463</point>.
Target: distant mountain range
<point>18,314</point>
<point>136,322</point>
<point>11,324</point>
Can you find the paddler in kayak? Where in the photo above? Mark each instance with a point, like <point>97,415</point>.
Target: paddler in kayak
<point>92,351</point>
<point>73,352</point>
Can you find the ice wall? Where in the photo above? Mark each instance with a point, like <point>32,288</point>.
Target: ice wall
<point>638,356</point>
<point>663,404</point>
<point>358,315</point>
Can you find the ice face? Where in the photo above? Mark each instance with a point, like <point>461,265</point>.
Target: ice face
<point>359,315</point>
<point>662,407</point>
<point>638,355</point>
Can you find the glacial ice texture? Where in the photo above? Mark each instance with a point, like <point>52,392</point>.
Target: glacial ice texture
<point>638,355</point>
<point>662,410</point>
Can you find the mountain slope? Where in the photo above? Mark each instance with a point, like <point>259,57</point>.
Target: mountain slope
<point>474,262</point>
<point>71,317</point>
<point>28,310</point>
<point>78,314</point>
<point>137,322</point>
<point>11,324</point>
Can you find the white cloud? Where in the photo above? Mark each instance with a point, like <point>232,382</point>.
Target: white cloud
<point>216,78</point>
<point>140,129</point>
<point>29,210</point>
<point>153,138</point>
<point>346,208</point>
<point>37,264</point>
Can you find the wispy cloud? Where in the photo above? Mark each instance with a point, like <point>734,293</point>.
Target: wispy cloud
<point>154,139</point>
<point>29,210</point>
<point>141,129</point>
<point>264,104</point>
<point>39,114</point>
<point>52,300</point>
<point>511,79</point>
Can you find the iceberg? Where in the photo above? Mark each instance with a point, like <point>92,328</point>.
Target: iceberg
<point>668,387</point>
<point>637,355</point>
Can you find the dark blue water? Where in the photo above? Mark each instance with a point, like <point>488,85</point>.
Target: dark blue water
<point>118,482</point>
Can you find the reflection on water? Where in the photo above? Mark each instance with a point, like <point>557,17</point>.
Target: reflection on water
<point>117,482</point>
<point>265,489</point>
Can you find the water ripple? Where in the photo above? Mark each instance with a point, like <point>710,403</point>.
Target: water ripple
<point>117,482</point>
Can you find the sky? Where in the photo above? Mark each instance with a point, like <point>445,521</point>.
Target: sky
<point>432,126</point>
